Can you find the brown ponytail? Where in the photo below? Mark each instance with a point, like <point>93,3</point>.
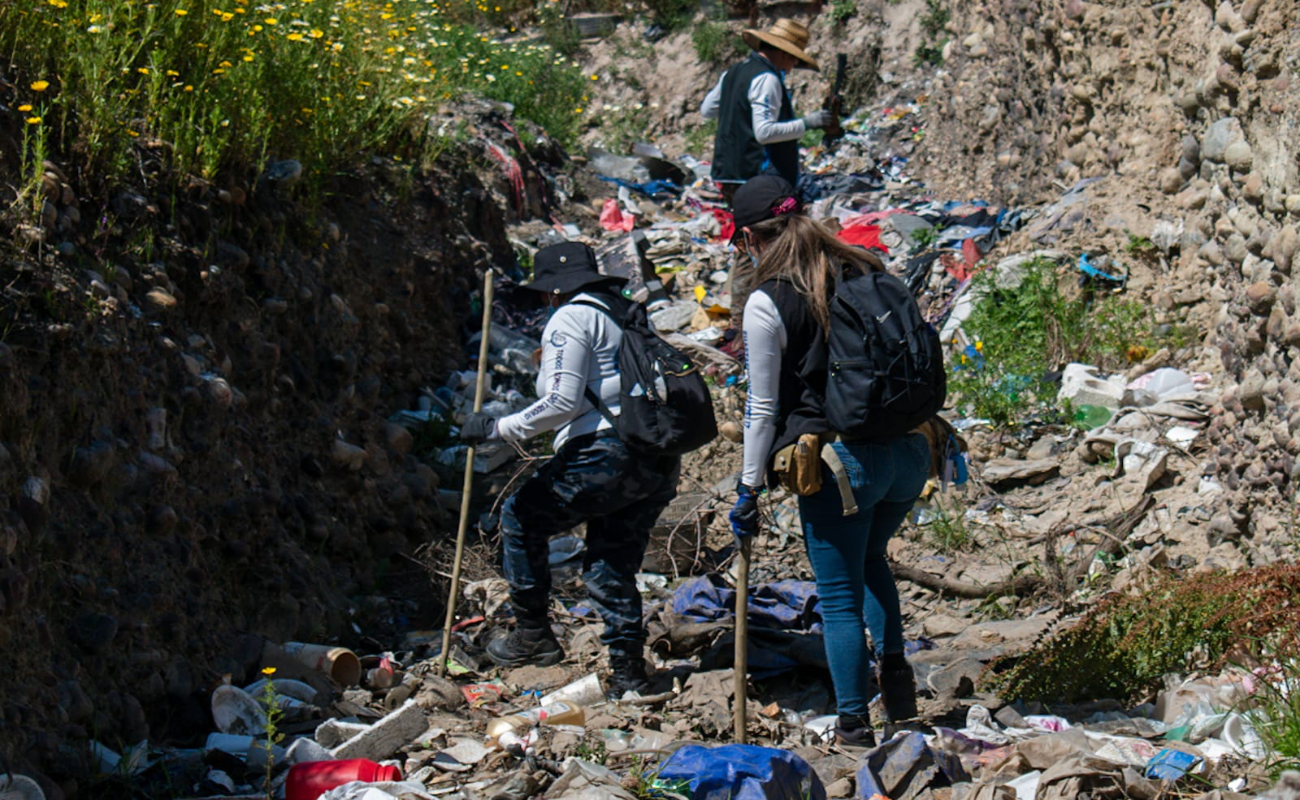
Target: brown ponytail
<point>804,252</point>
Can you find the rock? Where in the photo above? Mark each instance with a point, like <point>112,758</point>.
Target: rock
<point>936,625</point>
<point>1217,138</point>
<point>1260,297</point>
<point>1235,248</point>
<point>1227,18</point>
<point>49,215</point>
<point>731,431</point>
<point>1292,204</point>
<point>220,393</point>
<point>90,465</point>
<point>840,788</point>
<point>283,173</point>
<point>957,679</point>
<point>159,299</point>
<point>1170,180</point>
<point>399,438</point>
<point>1251,392</point>
<point>347,456</point>
<point>93,632</point>
<point>1005,471</point>
<point>1253,188</point>
<point>1239,156</point>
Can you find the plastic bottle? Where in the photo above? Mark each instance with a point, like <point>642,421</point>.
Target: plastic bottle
<point>563,713</point>
<point>312,779</point>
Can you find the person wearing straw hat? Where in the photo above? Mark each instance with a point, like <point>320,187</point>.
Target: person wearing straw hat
<point>593,478</point>
<point>758,131</point>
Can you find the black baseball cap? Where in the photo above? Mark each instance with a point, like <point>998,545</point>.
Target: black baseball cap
<point>762,198</point>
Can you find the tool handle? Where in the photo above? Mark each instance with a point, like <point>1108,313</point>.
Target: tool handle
<point>468,486</point>
<point>742,640</point>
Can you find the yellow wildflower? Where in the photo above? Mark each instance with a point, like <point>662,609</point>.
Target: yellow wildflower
<point>25,108</point>
<point>171,73</point>
<point>180,12</point>
<point>294,37</point>
<point>316,33</point>
<point>59,3</point>
<point>143,70</point>
<point>271,21</point>
<point>268,671</point>
<point>33,120</point>
<point>40,86</point>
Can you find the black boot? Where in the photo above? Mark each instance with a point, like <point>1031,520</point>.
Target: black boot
<point>525,646</point>
<point>897,687</point>
<point>854,731</point>
<point>628,676</point>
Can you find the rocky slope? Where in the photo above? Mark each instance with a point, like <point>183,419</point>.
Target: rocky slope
<point>194,444</point>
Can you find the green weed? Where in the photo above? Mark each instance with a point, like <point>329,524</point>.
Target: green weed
<point>1124,646</point>
<point>948,529</point>
<point>843,10</point>
<point>624,128</point>
<point>1277,715</point>
<point>925,238</point>
<point>716,44</point>
<point>701,136</point>
<point>671,15</point>
<point>271,708</point>
<point>1138,244</point>
<point>933,22</point>
<point>224,86</point>
<point>1021,334</point>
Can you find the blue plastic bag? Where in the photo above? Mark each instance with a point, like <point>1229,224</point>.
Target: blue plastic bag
<point>743,772</point>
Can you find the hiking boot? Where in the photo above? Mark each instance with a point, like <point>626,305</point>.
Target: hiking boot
<point>525,646</point>
<point>628,676</point>
<point>854,731</point>
<point>897,687</point>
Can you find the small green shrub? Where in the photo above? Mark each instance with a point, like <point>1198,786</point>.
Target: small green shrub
<point>671,15</point>
<point>843,10</point>
<point>1019,335</point>
<point>1125,645</point>
<point>701,137</point>
<point>934,19</point>
<point>716,44</point>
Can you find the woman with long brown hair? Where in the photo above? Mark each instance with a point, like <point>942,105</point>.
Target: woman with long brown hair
<point>796,264</point>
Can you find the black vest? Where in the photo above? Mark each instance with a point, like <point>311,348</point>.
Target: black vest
<point>802,382</point>
<point>737,155</point>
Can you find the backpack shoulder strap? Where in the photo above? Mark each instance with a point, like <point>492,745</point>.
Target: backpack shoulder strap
<point>591,396</point>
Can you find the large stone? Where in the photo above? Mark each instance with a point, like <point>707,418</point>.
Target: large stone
<point>1217,138</point>
<point>1239,156</point>
<point>1260,297</point>
<point>1170,180</point>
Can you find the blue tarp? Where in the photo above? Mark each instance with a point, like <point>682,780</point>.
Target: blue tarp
<point>902,768</point>
<point>743,772</point>
<point>785,605</point>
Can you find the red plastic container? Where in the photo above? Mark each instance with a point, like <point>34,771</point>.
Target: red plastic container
<point>310,780</point>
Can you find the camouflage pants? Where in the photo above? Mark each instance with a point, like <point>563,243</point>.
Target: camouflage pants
<point>619,494</point>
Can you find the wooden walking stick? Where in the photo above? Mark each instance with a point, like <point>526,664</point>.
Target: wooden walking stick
<point>445,655</point>
<point>742,638</point>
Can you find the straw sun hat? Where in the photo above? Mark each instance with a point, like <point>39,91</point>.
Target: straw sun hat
<point>785,35</point>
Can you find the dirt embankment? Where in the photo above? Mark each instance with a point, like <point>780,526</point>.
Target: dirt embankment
<point>194,445</point>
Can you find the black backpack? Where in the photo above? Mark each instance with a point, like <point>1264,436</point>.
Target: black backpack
<point>665,407</point>
<point>885,372</point>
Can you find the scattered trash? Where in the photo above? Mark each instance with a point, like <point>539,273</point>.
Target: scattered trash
<point>309,781</point>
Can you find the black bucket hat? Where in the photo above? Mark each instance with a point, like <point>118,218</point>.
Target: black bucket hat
<point>567,267</point>
<point>760,199</point>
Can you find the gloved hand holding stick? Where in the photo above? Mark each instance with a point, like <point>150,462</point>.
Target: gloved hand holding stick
<point>445,655</point>
<point>744,524</point>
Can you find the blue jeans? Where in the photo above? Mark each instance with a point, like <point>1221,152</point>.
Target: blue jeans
<point>848,557</point>
<point>619,494</point>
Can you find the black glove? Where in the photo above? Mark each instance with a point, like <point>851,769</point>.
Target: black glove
<point>744,514</point>
<point>478,428</point>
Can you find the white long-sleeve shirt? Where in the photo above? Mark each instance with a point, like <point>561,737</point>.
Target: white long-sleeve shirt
<point>765,95</point>
<point>765,344</point>
<point>579,350</point>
